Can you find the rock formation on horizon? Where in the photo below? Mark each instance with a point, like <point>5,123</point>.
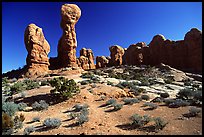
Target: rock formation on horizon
<point>101,62</point>
<point>116,54</point>
<point>38,48</point>
<point>86,59</point>
<point>67,44</point>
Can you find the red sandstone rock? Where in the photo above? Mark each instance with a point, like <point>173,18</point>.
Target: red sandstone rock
<point>101,61</point>
<point>116,55</point>
<point>38,49</point>
<point>67,44</point>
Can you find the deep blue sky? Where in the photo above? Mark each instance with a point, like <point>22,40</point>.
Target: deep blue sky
<point>101,25</point>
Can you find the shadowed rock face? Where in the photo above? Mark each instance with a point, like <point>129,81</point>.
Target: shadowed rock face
<point>101,62</point>
<point>38,48</point>
<point>182,54</point>
<point>86,59</point>
<point>116,55</point>
<point>67,44</point>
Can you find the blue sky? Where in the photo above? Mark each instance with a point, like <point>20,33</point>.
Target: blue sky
<point>102,24</point>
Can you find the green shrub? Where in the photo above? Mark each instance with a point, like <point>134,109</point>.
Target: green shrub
<point>31,84</point>
<point>29,130</point>
<point>87,75</point>
<point>7,124</point>
<point>145,97</point>
<point>17,87</point>
<point>150,105</point>
<point>110,83</point>
<point>140,121</point>
<point>45,83</point>
<point>36,119</point>
<point>117,107</point>
<point>178,103</point>
<point>9,108</point>
<point>22,106</point>
<point>193,112</point>
<point>79,107</point>
<point>130,101</point>
<point>159,123</point>
<point>110,101</point>
<point>82,119</point>
<point>64,87</point>
<point>164,95</point>
<point>42,105</point>
<point>185,93</point>
<point>52,122</point>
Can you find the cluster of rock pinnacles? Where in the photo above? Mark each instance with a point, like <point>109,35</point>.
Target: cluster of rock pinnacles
<point>183,54</point>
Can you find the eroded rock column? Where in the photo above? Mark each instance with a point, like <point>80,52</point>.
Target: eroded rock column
<point>38,48</point>
<point>67,44</point>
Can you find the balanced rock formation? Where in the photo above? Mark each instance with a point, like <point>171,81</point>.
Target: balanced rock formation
<point>38,48</point>
<point>116,55</point>
<point>86,59</point>
<point>67,44</point>
<point>101,62</point>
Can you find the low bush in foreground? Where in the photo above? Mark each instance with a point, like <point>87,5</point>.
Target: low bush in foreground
<point>42,105</point>
<point>52,122</point>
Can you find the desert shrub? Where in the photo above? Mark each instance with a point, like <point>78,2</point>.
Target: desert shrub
<point>79,107</point>
<point>17,87</point>
<point>187,82</point>
<point>93,85</point>
<point>159,123</point>
<point>110,83</point>
<point>135,91</point>
<point>22,106</point>
<point>168,81</point>
<point>82,119</point>
<point>157,99</point>
<point>52,122</point>
<point>42,105</point>
<point>22,94</point>
<point>110,101</point>
<point>30,84</point>
<point>36,119</point>
<point>64,87</point>
<point>178,103</point>
<point>87,75</point>
<point>193,112</point>
<point>85,82</point>
<point>144,82</point>
<point>164,95</point>
<point>130,101</point>
<point>7,124</point>
<point>145,97</point>
<point>198,95</point>
<point>120,86</point>
<point>18,121</point>
<point>185,93</point>
<point>44,83</point>
<point>168,101</point>
<point>29,130</point>
<point>95,79</point>
<point>9,108</point>
<point>140,121</point>
<point>73,115</point>
<point>5,81</point>
<point>150,105</point>
<point>117,107</point>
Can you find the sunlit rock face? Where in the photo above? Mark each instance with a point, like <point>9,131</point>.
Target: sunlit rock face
<point>116,54</point>
<point>101,62</point>
<point>38,48</point>
<point>86,59</point>
<point>70,14</point>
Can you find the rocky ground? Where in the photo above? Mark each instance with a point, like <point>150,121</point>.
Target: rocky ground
<point>105,84</point>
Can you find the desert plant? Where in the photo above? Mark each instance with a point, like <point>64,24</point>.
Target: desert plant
<point>145,97</point>
<point>29,130</point>
<point>7,124</point>
<point>117,107</point>
<point>110,83</point>
<point>168,81</point>
<point>22,106</point>
<point>110,101</point>
<point>17,87</point>
<point>185,93</point>
<point>18,121</point>
<point>31,84</point>
<point>79,107</point>
<point>82,119</point>
<point>64,87</point>
<point>159,123</point>
<point>36,119</point>
<point>178,103</point>
<point>150,105</point>
<point>22,94</point>
<point>9,108</point>
<point>157,99</point>
<point>130,101</point>
<point>164,95</point>
<point>44,83</point>
<point>42,105</point>
<point>193,112</point>
<point>87,75</point>
<point>168,101</point>
<point>52,122</point>
<point>140,121</point>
